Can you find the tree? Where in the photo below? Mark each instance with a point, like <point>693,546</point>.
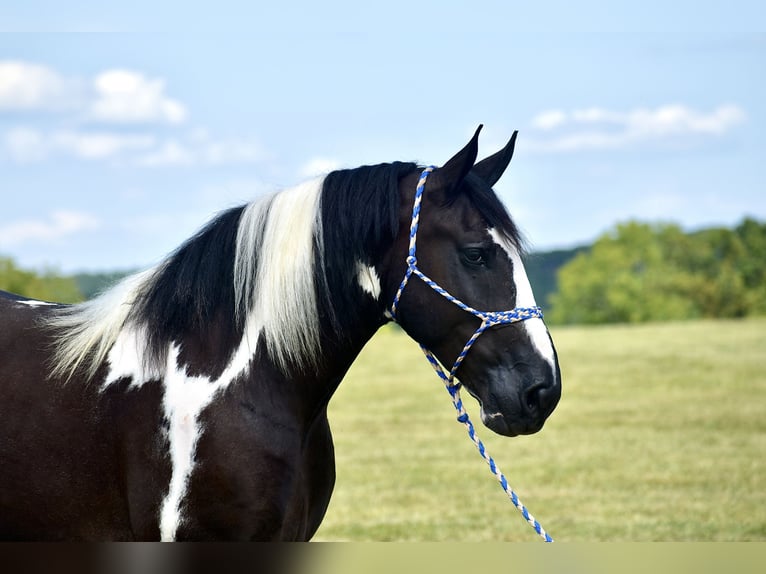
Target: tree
<point>48,286</point>
<point>644,272</point>
<point>752,234</point>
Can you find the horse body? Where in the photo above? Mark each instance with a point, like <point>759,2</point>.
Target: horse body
<point>83,461</point>
<point>190,401</point>
<point>60,477</point>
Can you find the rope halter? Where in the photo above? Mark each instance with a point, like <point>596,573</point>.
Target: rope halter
<point>488,319</point>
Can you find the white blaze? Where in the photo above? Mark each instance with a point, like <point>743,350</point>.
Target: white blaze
<point>536,329</point>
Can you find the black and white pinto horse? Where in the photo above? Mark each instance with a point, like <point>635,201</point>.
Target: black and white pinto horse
<point>189,401</point>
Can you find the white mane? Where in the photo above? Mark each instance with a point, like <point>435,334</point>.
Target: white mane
<point>278,234</point>
<point>273,284</point>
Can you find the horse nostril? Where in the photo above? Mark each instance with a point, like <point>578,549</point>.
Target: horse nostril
<point>532,397</point>
<point>541,398</point>
<point>536,397</point>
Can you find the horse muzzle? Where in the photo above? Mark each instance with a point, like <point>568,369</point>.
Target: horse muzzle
<point>518,402</point>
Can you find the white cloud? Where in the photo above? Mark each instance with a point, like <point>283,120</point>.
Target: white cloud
<point>677,119</point>
<point>25,145</point>
<point>598,115</point>
<point>112,96</point>
<point>318,166</point>
<point>201,149</point>
<point>58,225</point>
<point>600,128</point>
<point>124,96</point>
<point>216,152</point>
<point>169,153</point>
<point>549,119</point>
<point>25,87</point>
<point>28,145</point>
<point>583,140</point>
<point>99,122</point>
<point>97,145</point>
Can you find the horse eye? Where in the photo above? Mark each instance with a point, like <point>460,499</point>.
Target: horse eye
<point>475,255</point>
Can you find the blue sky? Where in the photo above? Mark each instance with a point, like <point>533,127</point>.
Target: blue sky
<point>125,126</point>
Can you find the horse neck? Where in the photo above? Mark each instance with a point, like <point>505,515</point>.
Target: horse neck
<point>337,354</point>
<point>219,354</point>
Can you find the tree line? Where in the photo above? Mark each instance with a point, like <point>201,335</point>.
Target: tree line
<point>652,272</point>
<point>45,286</point>
<point>635,272</point>
<point>50,285</point>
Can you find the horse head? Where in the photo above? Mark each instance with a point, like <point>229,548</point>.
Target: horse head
<point>466,252</point>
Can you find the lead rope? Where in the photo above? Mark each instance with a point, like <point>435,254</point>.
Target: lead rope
<point>453,388</point>
<point>488,319</point>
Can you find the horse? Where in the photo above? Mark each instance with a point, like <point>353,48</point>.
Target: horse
<point>189,401</point>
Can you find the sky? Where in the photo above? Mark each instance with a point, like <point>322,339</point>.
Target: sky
<point>124,127</point>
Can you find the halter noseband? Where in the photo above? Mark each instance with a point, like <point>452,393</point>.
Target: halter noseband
<point>488,318</point>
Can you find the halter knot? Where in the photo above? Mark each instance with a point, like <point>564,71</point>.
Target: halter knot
<point>453,388</point>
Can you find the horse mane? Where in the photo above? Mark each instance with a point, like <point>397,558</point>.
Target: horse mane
<point>281,269</point>
<point>360,211</point>
<point>271,268</point>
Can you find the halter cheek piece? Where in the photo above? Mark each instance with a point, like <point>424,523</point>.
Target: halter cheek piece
<point>488,319</point>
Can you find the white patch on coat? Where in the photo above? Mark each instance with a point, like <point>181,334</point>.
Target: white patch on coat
<point>34,303</point>
<point>536,329</point>
<point>87,332</point>
<point>126,359</point>
<point>184,399</point>
<point>368,279</point>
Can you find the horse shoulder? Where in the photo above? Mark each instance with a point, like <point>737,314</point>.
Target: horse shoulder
<point>260,473</point>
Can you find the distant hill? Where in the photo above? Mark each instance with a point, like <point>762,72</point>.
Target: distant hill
<point>542,268</point>
<point>91,284</point>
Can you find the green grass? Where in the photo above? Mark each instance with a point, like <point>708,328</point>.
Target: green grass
<point>660,435</point>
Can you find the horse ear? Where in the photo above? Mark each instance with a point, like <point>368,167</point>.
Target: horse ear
<point>449,177</point>
<point>492,168</point>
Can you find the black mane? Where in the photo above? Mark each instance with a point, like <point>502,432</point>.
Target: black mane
<point>359,211</point>
<point>190,287</point>
<point>360,218</point>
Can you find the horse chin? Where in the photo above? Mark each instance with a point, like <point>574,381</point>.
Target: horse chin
<point>497,423</point>
<point>506,424</point>
<point>494,421</point>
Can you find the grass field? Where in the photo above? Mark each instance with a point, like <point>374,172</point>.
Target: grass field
<point>660,435</point>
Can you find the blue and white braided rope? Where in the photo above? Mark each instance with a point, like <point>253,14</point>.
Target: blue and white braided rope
<point>453,388</point>
<point>488,319</point>
<point>412,260</point>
